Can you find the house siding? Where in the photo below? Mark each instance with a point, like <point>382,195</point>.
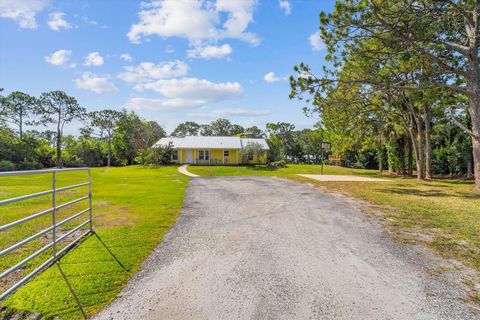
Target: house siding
<point>217,158</point>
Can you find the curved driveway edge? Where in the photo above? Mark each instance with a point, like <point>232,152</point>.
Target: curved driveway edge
<point>268,248</point>
<point>183,170</point>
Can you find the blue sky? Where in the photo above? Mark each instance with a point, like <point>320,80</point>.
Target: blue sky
<point>170,61</point>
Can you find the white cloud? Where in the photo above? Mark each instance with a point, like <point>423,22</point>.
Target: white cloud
<point>285,6</point>
<point>59,58</point>
<point>126,57</point>
<point>94,23</point>
<point>56,21</point>
<point>241,112</point>
<point>147,71</point>
<point>271,77</point>
<point>198,21</point>
<point>316,42</point>
<point>22,11</point>
<point>94,59</point>
<point>97,84</point>
<point>208,52</point>
<point>193,88</point>
<point>146,104</point>
<point>185,93</point>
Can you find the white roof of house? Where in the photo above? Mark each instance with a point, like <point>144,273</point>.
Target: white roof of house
<point>262,142</point>
<point>195,142</point>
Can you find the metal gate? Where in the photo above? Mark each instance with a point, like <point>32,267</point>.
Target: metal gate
<point>53,228</point>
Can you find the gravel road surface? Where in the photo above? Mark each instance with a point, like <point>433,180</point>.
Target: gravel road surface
<point>267,248</point>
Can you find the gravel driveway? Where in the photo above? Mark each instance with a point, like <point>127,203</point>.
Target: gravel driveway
<point>267,248</point>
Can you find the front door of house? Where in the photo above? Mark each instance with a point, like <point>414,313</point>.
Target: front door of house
<point>189,156</point>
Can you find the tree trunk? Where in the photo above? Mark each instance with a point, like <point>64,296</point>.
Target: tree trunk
<point>473,86</point>
<point>474,110</point>
<point>476,162</point>
<point>59,142</point>
<point>469,168</point>
<point>420,141</point>
<point>380,155</point>
<point>410,158</point>
<point>428,144</point>
<point>109,151</point>
<point>59,149</point>
<point>401,154</point>
<point>418,162</point>
<point>20,127</point>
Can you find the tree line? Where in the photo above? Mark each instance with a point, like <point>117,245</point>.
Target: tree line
<point>106,137</point>
<point>110,137</point>
<point>403,81</point>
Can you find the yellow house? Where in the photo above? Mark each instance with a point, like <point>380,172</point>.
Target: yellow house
<point>214,150</point>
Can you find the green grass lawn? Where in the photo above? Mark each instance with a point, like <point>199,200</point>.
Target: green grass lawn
<point>133,207</point>
<point>290,171</point>
<point>444,213</point>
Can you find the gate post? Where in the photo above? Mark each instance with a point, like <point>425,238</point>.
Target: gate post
<point>54,212</point>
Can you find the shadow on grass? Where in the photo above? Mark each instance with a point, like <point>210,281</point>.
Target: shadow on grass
<point>429,193</point>
<point>470,195</point>
<point>110,252</point>
<point>261,168</point>
<point>66,278</point>
<point>12,314</point>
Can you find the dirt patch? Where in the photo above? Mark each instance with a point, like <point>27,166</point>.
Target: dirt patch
<point>109,215</point>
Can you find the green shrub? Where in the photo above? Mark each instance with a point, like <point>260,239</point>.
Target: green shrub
<point>6,165</point>
<point>29,165</point>
<point>278,164</point>
<point>157,156</point>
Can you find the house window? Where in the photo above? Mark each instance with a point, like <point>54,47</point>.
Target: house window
<point>250,156</point>
<point>204,155</point>
<point>226,153</point>
<point>174,155</point>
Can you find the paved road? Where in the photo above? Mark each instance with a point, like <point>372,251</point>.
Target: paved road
<point>266,248</point>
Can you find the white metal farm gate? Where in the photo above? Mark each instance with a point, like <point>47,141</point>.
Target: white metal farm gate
<point>53,228</point>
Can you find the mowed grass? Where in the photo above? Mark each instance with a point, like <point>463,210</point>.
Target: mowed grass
<point>290,171</point>
<point>133,207</point>
<point>444,213</point>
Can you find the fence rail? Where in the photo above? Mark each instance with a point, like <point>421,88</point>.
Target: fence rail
<point>53,228</point>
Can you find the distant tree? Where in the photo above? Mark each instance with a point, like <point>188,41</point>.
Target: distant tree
<point>105,121</point>
<point>206,130</point>
<point>48,135</point>
<point>188,128</point>
<point>2,106</point>
<point>153,132</point>
<point>221,127</point>
<point>253,149</point>
<point>160,155</point>
<point>254,132</point>
<point>58,108</point>
<point>16,107</point>
<point>236,129</point>
<point>127,137</point>
<point>284,131</point>
<point>146,136</point>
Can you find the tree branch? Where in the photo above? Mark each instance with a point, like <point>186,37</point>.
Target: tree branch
<point>461,125</point>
